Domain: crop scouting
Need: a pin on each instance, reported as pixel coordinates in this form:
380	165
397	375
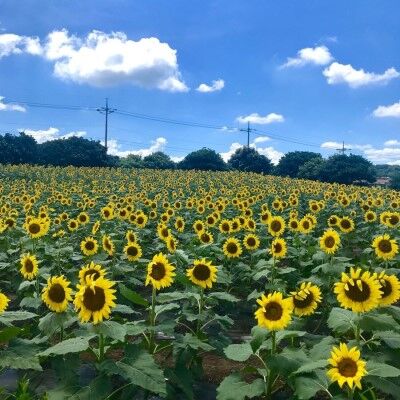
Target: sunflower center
34	228
56	293
201	272
386	288
29	265
306	224
394	219
347	367
385	246
277	248
354	293
345	224
251	241
305	302
93	273
89	245
205	238
94	299
273	311
158	271
329	242
276	226
231	248
225	227
132	251
140	220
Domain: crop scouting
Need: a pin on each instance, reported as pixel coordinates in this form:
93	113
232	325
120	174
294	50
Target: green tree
18	149
131	161
248	159
312	169
291	162
158	160
204	159
395	181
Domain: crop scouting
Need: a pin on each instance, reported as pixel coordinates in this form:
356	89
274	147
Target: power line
248	130
343	149
106	111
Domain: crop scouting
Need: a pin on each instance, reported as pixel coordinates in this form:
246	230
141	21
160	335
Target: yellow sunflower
4	300
83	218
133	251
29	266
198	226
89	246
232	248
358	291
73	225
95	299
225	226
95	227
180	224
306	299
160	272
278	248
206	237
276	226
108	245
131	236
251	242
346	366
171	244
57	294
93	270
370	216
275	312
329	242
385	247
202	273
390	288
346	224
305	226
36	227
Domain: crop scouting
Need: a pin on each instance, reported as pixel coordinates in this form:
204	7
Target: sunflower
57	294
133	251
107	213
95	227
346	224
163	231
232	248
329	242
206	237
131	236
73	225
89	246
251	242
93	270
370	216
294	224
83	218
358	291
160	272
198	226
95	299
36	227
278	248
202	273
171	244
4	300
225	226
346	366
390	288
276	226
305	225
180	224
108	245
275	312
29	266
306	299
385	247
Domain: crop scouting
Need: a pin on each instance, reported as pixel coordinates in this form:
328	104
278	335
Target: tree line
81	152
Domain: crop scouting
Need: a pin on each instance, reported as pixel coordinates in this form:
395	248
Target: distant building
383	181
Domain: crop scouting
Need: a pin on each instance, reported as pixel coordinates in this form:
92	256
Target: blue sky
306	74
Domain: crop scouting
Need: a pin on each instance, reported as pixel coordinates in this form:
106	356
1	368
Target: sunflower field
146	284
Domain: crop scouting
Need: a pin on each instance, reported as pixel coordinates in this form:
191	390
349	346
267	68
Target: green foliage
204	159
21	149
131	161
291	162
249	160
158	160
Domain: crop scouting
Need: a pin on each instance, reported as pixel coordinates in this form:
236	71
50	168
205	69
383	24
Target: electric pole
248	130
106	110
343	149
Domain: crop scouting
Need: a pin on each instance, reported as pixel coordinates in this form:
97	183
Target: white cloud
255	118
215	86
228	129
45	135
261	139
114	148
392	143
319	55
387	111
227	155
177	159
339	73
16	44
337	145
10	107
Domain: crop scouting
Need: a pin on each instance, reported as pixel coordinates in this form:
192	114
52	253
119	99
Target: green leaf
195	343
111	329
376	322
74	345
132	296
165	307
123	309
238	352
382	370
98	388
281	335
51	322
341	320
234	388
392	339
10	316
172	296
384	385
322	349
224	296
305	388
20	355
9	333
311	366
259	336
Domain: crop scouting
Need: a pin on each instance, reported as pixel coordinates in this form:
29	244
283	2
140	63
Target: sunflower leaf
341	320
234	388
238	352
132	296
10	316
74	345
382	370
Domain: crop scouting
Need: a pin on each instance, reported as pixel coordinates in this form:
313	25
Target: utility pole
106	110
343	149
248	130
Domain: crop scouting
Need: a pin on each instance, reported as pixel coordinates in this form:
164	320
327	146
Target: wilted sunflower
89	246
4	300
160	272
329	242
385	247
346	366
346	224
232	248
358	291
93	270
306	299
278	248
202	273
94	299
57	294
29	266
133	251
276	226
251	242
390	288
275	312
108	245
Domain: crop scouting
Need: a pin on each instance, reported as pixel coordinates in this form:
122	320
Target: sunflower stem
271	372
152	319
357	332
101	347
201	305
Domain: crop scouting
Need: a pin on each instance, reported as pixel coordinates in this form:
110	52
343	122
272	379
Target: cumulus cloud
16	44
261	139
387	111
114	148
255	118
392	142
337	145
177	158
319	55
228	129
45	135
214	87
10	107
338	73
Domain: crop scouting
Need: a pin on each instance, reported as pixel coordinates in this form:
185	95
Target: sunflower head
329	242
92	270
133	251
206	237
4	300
346	224
57	294
390	289
29	266
278	248
160	272
251	242
276	226
108	245
232	248
385	247
89	246
306	299
202	273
